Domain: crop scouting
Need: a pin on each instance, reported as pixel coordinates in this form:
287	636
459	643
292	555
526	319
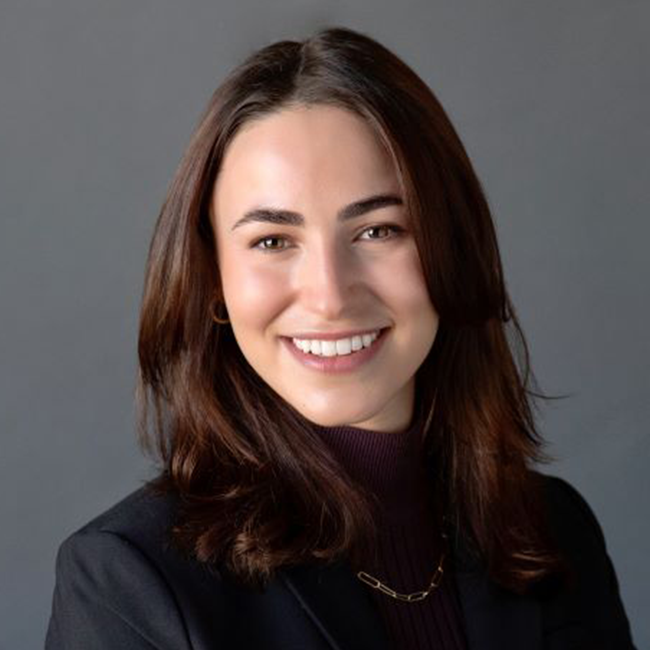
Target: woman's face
306	252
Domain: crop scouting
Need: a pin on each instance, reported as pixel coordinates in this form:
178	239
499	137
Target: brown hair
258	487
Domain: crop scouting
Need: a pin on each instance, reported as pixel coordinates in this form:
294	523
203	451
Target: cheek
252	294
403	283
405	290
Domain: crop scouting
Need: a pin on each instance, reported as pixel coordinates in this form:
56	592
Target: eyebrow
290	218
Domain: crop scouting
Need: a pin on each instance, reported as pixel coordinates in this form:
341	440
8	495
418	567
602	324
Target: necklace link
409	598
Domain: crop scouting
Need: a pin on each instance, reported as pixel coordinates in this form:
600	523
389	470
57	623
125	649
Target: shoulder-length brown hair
258	488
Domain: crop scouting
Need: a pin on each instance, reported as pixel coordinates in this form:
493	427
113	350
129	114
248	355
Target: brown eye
378	228
268	244
391	231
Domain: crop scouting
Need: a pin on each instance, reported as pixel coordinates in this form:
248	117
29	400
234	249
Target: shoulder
109	574
575	528
593	594
132	535
570	514
141	517
133	531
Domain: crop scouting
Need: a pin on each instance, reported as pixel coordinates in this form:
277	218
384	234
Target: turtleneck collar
390	465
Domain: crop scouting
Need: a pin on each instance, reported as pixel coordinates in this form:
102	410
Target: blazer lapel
494	618
338	605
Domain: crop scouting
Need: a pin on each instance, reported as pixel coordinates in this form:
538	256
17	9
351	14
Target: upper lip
332	336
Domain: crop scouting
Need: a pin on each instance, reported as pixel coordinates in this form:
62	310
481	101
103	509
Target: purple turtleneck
392	466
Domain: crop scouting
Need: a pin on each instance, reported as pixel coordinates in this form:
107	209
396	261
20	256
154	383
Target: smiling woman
345	438
330	192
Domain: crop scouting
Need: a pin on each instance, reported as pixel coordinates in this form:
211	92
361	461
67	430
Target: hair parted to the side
257	487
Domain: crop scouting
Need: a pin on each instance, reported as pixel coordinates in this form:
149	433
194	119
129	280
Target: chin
337	417
325	420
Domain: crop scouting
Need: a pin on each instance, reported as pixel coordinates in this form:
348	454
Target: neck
392	466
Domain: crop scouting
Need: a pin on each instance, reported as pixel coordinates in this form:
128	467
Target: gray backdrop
98	101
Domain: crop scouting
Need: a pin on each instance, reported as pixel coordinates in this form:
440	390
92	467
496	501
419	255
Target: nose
326	280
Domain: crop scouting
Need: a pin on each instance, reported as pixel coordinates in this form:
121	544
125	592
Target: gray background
98	101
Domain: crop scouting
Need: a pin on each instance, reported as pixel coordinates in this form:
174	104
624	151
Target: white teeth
344	346
336	348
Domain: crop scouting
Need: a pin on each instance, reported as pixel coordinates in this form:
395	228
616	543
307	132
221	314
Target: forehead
300	153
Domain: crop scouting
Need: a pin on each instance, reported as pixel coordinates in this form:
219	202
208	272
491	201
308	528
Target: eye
394	230
269	238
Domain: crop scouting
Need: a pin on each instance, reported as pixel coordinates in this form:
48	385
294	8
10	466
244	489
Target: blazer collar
340	606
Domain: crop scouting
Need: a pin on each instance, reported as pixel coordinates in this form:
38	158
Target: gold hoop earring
215	318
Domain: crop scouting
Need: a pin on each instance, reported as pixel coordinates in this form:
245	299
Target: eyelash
396	230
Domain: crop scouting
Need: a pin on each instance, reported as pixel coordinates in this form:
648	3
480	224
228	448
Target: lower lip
337	364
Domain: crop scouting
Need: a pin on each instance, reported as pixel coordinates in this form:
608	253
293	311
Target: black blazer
118	586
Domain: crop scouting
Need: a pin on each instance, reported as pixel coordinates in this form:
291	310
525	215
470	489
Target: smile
337	348
324	356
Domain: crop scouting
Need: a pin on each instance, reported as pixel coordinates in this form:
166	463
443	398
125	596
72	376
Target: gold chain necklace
412	597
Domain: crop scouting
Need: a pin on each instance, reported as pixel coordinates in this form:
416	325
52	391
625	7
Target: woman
345	438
